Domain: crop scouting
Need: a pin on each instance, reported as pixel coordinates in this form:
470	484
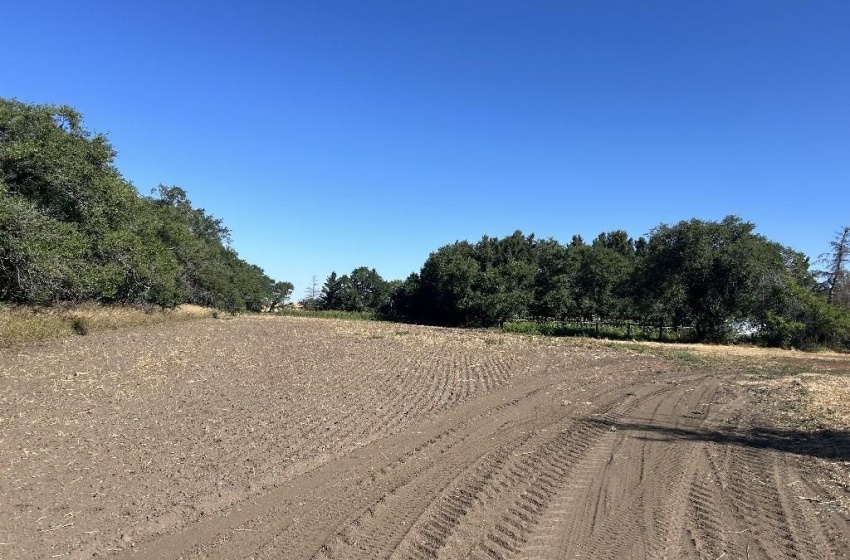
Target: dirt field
306	438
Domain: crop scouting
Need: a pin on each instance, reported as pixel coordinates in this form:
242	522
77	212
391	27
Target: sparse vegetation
22	324
327	313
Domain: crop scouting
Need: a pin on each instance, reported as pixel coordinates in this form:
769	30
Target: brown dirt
305	438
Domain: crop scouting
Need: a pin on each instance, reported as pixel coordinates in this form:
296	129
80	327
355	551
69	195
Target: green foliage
781	331
497	280
73	229
446	285
603	276
596	330
802	319
704	281
327	314
708	274
41	259
554	282
483	284
280	294
361	291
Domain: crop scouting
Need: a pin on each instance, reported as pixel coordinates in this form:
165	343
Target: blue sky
329	135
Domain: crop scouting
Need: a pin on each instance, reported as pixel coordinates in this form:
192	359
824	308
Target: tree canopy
720	278
362	290
72	228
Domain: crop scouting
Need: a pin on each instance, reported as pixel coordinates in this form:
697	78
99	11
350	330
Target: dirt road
293	438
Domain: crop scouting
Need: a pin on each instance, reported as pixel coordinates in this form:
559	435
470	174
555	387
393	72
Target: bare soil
309	438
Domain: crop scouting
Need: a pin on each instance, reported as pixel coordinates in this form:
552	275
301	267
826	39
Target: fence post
628	330
661	330
597	328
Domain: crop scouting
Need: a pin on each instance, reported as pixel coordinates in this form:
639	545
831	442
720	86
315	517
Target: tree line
73	229
719	278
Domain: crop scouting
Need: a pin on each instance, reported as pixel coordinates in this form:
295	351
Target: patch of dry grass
813	403
22	324
827	399
733	350
759	361
807	401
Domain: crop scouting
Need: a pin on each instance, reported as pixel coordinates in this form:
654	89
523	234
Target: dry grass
806	401
734	351
827	399
808	390
22	324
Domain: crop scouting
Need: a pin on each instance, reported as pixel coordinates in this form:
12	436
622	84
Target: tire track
515	458
435	518
518	493
742	505
595	518
469	435
383	463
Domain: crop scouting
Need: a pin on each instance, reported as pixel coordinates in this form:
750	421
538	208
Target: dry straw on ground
21	324
824	400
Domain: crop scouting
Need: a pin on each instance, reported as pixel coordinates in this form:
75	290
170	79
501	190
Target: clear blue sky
330	135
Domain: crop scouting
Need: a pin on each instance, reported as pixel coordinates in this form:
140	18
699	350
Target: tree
49	158
280	293
368	291
41	259
405	299
72	228
330	296
313	289
718	277
482	284
602	275
707	274
554	282
502	293
835	279
800	318
312	294
211	272
361	290
446	284
503	283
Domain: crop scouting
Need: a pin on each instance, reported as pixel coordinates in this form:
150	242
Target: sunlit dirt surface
292	438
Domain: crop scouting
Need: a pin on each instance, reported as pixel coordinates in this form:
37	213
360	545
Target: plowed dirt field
304	438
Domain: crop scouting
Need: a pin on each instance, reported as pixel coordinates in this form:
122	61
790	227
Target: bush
782	332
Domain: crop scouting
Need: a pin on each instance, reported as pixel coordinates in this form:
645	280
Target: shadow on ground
826	444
